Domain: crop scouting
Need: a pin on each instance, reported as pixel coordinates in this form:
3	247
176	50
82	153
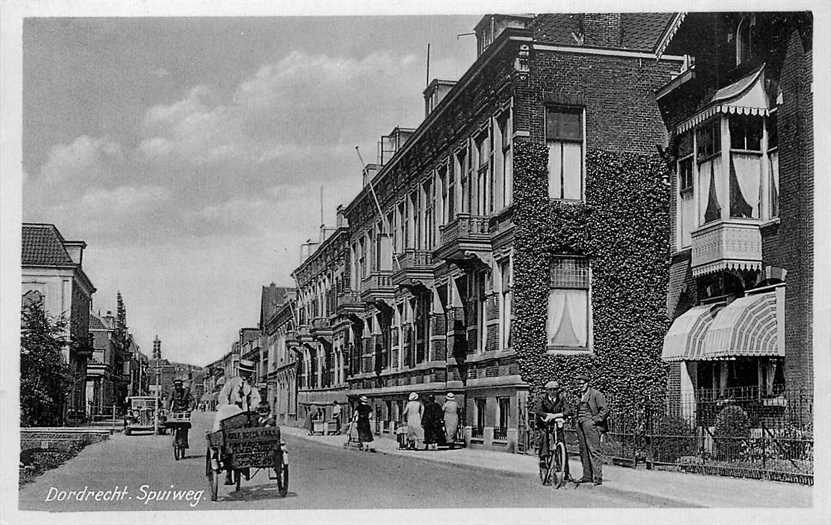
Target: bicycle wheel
545	470
559	465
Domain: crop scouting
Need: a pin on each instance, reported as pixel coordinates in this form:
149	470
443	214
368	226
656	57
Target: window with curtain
429	214
564	136
708	147
568	303
442	181
686	203
745	165
773	167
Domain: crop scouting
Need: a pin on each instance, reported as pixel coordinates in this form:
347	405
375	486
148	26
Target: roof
642	30
43	245
95	323
638	31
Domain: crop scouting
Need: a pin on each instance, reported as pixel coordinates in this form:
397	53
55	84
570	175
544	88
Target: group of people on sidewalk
428	424
591	414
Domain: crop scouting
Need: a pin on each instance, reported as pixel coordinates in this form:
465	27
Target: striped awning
746	96
685	339
746	327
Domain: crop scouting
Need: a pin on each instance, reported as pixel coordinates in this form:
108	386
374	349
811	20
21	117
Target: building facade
740	116
53	273
279	363
108	369
479	258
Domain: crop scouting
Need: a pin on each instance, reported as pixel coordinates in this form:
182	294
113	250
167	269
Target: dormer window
743	40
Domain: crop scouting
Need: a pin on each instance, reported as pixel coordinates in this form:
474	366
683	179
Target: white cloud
125	200
85	157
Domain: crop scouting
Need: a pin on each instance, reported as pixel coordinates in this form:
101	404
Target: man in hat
551	408
592	412
180	401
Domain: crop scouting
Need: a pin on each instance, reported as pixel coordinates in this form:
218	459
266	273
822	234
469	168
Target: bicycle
554	469
179	422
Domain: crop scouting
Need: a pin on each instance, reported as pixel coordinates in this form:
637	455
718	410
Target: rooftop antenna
377	205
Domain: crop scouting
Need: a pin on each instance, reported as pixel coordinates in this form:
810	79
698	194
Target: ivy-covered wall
623	227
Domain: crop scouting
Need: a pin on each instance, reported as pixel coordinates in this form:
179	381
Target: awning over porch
751	326
746	96
685	339
746	327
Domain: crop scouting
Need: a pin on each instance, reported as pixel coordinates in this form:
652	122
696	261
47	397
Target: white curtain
705	170
567	317
688	223
555	168
572	170
749	173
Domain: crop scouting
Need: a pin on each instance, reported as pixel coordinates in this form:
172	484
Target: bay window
708	145
564	136
773	167
569	301
745	165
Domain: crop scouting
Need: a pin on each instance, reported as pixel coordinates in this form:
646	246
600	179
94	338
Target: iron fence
738	434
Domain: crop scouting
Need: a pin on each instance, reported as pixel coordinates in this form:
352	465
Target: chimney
434	93
491	26
340	217
602	29
75	249
389	144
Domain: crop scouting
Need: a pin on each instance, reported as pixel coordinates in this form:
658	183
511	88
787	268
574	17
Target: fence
742	434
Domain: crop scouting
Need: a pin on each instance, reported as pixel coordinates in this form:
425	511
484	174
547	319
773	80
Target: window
773	167
401	242
482	173
568	303
564	136
745	165
708	138
743	41
479	416
429	214
685	171
452	170
503	407
506	300
442	181
362	257
504	161
710	187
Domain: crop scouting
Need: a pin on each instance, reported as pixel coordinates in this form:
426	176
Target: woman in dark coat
432	423
363	413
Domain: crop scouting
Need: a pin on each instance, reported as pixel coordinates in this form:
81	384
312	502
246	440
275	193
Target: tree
45	378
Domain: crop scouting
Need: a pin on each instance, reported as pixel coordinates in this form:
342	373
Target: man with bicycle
180	401
550	409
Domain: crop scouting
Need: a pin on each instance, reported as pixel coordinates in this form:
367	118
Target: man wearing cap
550	407
591	422
181	401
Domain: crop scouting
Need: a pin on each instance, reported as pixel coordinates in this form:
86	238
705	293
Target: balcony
734	244
320	328
348	302
465	238
414	268
377	286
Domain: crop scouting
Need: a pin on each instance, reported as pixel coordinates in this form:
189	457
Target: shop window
564	136
479	414
569	303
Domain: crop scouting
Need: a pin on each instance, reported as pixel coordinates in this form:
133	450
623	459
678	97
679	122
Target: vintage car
141	415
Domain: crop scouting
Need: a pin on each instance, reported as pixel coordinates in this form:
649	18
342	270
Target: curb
514	474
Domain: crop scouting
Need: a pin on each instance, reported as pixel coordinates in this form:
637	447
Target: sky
189	153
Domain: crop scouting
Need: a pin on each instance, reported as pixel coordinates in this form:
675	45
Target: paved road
138	469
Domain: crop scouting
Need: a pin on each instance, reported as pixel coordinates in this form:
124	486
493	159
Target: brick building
108	367
281	363
424	298
740	118
52	272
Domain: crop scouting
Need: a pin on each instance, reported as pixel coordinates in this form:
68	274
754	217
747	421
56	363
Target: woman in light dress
451	418
412	415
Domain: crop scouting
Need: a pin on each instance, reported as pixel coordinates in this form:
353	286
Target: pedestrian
336	411
432	423
363	414
412	415
550	407
592	412
451	418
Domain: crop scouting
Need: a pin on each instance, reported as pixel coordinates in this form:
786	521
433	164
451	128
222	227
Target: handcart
241	445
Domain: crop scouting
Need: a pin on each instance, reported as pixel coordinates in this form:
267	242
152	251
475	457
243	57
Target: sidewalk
688	489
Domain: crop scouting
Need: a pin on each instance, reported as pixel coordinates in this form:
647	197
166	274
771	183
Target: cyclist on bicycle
180	401
550	409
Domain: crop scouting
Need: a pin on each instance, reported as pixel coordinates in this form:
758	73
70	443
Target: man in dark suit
549	408
592	412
